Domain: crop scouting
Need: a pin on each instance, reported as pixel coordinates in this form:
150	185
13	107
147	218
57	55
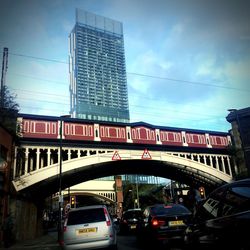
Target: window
169	210
237	199
86	216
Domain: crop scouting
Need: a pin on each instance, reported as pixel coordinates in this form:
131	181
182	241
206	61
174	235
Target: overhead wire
142	75
131	73
136	106
190	82
171	114
38	58
148	115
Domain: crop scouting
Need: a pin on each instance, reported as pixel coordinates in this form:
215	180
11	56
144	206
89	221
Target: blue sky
187	61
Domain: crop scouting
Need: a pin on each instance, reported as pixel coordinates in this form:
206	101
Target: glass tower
98	84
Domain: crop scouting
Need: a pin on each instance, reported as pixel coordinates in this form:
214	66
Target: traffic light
72	201
202	192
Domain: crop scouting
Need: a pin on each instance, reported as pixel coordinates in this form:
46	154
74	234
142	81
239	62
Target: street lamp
60	200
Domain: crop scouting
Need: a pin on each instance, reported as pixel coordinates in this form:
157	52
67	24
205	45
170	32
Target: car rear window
169	210
86	216
132	214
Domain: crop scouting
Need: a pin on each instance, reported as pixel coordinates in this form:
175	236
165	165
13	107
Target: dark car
164	223
222	220
130	220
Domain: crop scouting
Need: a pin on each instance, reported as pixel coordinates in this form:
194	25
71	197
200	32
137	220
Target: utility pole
137	192
60	200
4	71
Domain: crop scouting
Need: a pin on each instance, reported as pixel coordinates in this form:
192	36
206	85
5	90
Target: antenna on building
4	71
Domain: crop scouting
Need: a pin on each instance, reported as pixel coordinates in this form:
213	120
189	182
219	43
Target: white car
89	227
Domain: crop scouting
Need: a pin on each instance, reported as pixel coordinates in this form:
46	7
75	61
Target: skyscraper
98	84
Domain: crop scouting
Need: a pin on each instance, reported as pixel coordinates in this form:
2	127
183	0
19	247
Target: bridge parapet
48	128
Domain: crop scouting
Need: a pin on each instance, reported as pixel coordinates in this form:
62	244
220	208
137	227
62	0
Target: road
128	242
49	242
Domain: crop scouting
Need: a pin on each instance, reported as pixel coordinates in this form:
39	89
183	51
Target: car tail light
157	223
107	217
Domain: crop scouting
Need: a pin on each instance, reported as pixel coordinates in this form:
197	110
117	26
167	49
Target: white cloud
190	41
206	64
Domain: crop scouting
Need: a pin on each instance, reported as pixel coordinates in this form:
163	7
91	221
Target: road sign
146	155
116	156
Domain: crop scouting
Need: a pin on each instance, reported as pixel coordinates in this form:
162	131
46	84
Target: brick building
240	121
6	146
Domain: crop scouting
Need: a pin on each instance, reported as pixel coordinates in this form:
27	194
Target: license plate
86	230
133	226
176	223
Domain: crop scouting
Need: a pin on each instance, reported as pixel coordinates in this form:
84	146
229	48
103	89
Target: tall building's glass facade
98	84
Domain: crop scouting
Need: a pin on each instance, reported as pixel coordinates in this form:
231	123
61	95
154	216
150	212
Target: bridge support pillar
119	195
48	156
38	159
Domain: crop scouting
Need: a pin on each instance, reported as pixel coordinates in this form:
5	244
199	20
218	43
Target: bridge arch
184	167
102	195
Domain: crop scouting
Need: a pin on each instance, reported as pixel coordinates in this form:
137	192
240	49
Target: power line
142	75
144	107
154	114
39	93
45	101
176	111
38	78
62	96
148	114
189	82
135	106
44	109
39	58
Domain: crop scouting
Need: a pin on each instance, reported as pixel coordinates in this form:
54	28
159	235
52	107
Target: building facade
240	122
98	84
6	157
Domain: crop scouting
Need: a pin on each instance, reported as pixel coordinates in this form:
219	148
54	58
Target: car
130	220
222	220
164	223
89	227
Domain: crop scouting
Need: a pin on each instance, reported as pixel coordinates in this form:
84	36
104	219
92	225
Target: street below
129	242
49	242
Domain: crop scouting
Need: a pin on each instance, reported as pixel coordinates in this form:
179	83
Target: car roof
242	181
87	207
234	183
231	185
164	205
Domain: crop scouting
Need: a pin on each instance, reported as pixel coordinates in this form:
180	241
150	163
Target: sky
187	61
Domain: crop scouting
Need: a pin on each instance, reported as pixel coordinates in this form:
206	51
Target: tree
8	110
149	194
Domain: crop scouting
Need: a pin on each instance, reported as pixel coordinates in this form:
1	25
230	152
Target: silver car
89	227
